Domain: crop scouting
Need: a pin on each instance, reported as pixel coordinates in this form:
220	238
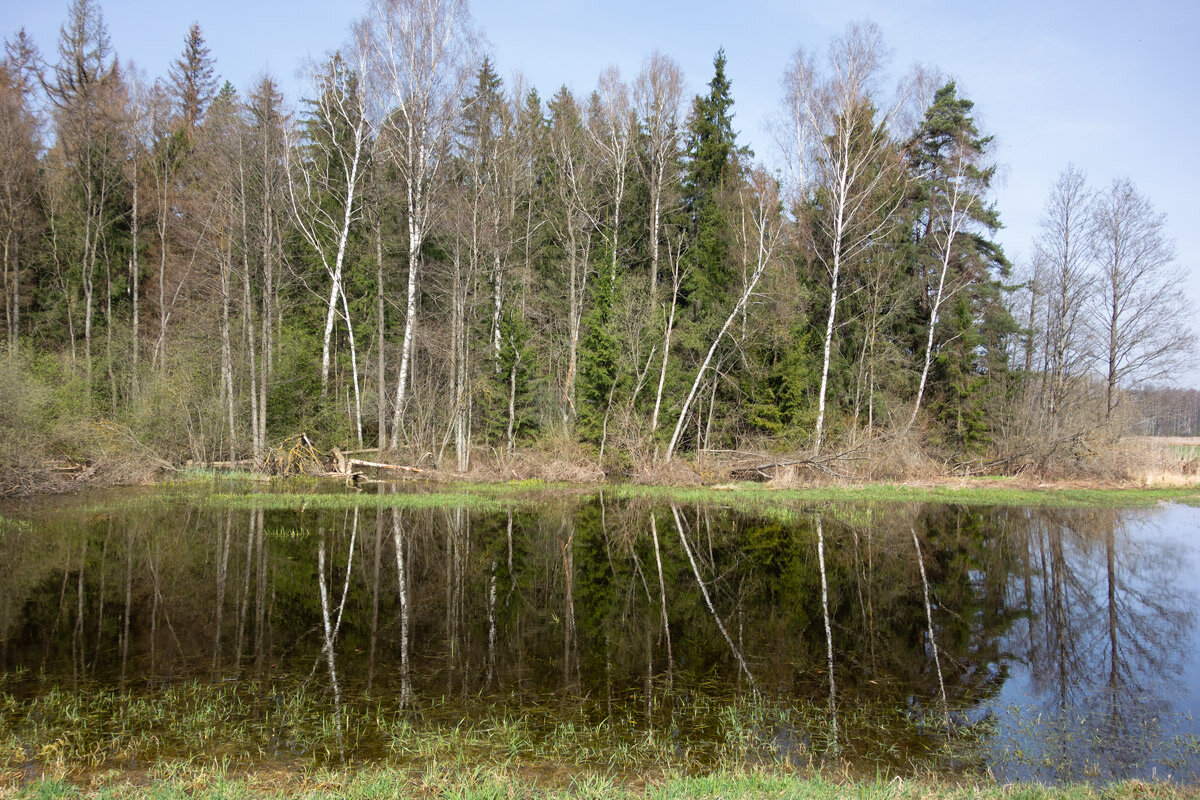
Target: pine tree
957	265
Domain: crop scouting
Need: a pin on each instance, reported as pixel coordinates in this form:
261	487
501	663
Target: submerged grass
197	725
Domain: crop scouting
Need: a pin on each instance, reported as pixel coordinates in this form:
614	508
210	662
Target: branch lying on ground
825	464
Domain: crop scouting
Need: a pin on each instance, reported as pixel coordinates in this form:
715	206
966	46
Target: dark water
1063	643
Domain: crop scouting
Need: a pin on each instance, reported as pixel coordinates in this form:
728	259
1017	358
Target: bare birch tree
574	222
611	128
325	190
421	53
658	94
85	92
843	148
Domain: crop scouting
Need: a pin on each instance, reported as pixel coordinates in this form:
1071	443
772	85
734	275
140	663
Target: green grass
198	474
754	496
294	501
1184	452
307	494
566	783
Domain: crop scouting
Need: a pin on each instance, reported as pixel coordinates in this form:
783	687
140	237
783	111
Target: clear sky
1109	86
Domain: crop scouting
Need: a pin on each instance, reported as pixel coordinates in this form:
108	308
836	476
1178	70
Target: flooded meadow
597	630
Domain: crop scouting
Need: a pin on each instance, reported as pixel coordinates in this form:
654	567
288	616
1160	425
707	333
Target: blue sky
1109	86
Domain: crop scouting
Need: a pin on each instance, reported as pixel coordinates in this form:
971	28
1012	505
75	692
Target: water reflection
1110	626
1035	644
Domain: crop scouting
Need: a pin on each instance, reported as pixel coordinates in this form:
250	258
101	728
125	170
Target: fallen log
356	462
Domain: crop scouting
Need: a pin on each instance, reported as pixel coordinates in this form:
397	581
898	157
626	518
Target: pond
598	631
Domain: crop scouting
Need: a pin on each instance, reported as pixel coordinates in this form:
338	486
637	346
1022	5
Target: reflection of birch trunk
158	604
491	654
402	581
929	620
128	605
244	605
377	564
260	596
833	739
77	656
509	541
648	690
153	617
331	631
457	541
224	539
662	597
327	648
101	593
569	638
1110	552
708	601
864	601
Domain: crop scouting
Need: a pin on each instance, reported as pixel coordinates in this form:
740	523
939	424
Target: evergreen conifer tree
193	79
711	172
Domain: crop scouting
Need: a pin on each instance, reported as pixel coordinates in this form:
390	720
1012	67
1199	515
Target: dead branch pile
295	455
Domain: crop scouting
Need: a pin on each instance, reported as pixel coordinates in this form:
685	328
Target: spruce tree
711	170
193	79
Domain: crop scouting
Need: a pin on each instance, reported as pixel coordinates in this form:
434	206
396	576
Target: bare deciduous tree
658	93
324	190
842	146
422	53
19	145
575	223
1143	317
1063	251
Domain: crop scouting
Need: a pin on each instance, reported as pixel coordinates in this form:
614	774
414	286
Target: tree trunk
381	376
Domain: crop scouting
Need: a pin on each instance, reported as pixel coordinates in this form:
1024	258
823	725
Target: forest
466	273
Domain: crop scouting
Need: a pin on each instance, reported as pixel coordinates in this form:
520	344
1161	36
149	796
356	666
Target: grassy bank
565	783
286	494
298	494
1038	497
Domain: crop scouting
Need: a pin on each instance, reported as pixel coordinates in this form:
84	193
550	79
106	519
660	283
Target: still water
1031	644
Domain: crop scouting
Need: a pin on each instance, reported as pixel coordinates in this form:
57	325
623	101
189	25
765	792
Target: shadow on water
629	635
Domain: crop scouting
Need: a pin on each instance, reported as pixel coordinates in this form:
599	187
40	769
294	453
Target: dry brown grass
528	464
676	473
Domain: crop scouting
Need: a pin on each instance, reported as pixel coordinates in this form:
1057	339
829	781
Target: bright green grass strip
307	494
291	501
565	783
750	496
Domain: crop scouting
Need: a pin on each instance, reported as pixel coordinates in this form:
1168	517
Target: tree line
426	258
